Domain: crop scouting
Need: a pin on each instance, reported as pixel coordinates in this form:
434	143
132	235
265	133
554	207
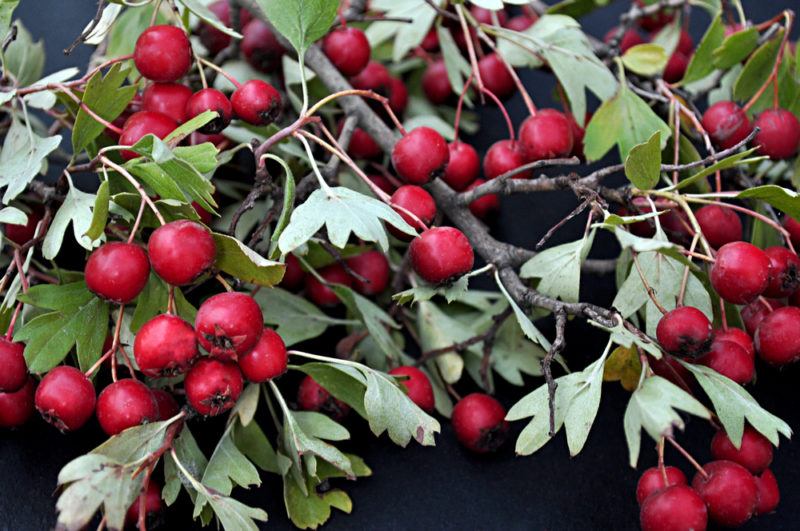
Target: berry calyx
504	156
417	385
740	272
779	134
181	251
124	404
768	493
152	504
141	124
348	49
479	423
546	135
421	156
65	398
436	84
17	407
267	360
684	331
754	452
322	295
729	490
652	480
730	360
719	225
13	370
209	99
483	206
261	47
165	346
313	397
228	324
675	508
256	102
441	255
416	200
495	76
117	271
163	53
167	98
776	340
213	386
372	266
726	123
784	272
463	167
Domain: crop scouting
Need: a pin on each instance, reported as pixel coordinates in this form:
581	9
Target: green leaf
702	63
61	297
153	300
407	36
46	99
525	323
302	22
227	467
99	213
191	457
344	383
135	443
13	216
374	318
24	152
238	260
254	444
735	48
514	355
438	330
321	426
741	158
288	200
200	9
107	97
458	69
758	68
559	269
311	509
783	199
7	8
23	58
296	319
76	209
645	59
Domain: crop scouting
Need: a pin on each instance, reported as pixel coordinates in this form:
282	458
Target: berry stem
135	227
365	94
219	70
788	16
688	457
224	283
660	449
10	331
685	279
520	87
723	315
460	106
509	123
96	117
122	171
114	346
650	291
473	60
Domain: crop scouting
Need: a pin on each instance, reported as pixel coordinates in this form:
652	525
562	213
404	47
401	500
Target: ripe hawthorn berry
416	200
213	39
740	272
656	21
483	206
374	267
124	404
22	234
117	271
382	182
784	272
420	156
793	227
141	124
731	360
13	370
777	341
669	368
168	99
441	254
431	41
754	452
685	43
167	405
726	123
181	251
267	360
628	40
756	311
463	167
210	99
313	397
17	407
375	77
738	336
163	53
479	423
778	135
213	386
228	324
436	84
362	145
504	156
256	102
676	67
719	225
768	493
652	480
520	22
729	490
294	277
152	504
398	96
348	49
65	398
165	346
261	47
684	331
495	76
319	293
546	135
486	16
418	386
677	507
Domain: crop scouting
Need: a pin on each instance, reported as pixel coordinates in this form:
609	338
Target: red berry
13	371
382	182
152	504
484	16
652	481
124	404
436	84
431	41
463	167
793	227
685	43
719	225
784	272
228	324
374	267
726	123
520	23
163	53
181	251
441	254
669	367
313	397
167	405
362	145
676	67
479	423
209	99
754	453
22	234
416	200
421	156
504	156
167	98
768	493
418	386
495	76
260	46
756	311
17	407
738	336
319	293
117	271
165	346
213	39
256	102
676	508
141	124
398	96
294	277
684	331
65	398
546	135
779	135
740	272
267	360
629	39
213	386
375	77
777	340
483	206
656	21
348	49
729	490
730	360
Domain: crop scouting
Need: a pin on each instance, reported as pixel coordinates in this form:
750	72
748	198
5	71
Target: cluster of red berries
778	135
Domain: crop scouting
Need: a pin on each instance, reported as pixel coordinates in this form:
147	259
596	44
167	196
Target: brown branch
488	345
89	29
555	349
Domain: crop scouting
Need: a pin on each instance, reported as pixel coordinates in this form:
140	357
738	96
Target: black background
445	487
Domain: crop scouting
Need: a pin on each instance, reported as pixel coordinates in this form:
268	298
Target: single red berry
181	251
117	271
520	22
124	404
504	156
431	41
374	267
319	293
685	43
421	156
669	368
768	493
228	324
65	398
375	77
485	16
398	95
726	123
628	40
163	53
656	21
436	84
441	254
486	205
348	49
754	452
167	98
496	77
213	386
777	341
479	422
210	99
719	225
740	272
362	145
313	397
416	200
13	371
165	346
756	311
784	272
652	480
793	227
267	360
738	336
167	405
729	490
213	39
152	504
546	135
676	67
141	124
261	47
17	407
382	182
730	360
294	277
256	102
779	134
22	234
676	508
418	386
463	167
684	331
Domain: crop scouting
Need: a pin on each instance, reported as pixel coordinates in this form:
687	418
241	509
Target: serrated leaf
227	467
46	99
77	210
645	59
296	319
21	159
525	323
99	212
7	8
438	330
107	97
288	200
193	460
23	58
311	509
741	158
559	269
735	48
407	36
758	68
254	444
374	318
458	69
702	63
783	199
301	21
643	164
200	10
62	297
135	443
623	366
239	261
344	383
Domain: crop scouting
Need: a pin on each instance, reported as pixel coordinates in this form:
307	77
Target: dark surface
445	487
